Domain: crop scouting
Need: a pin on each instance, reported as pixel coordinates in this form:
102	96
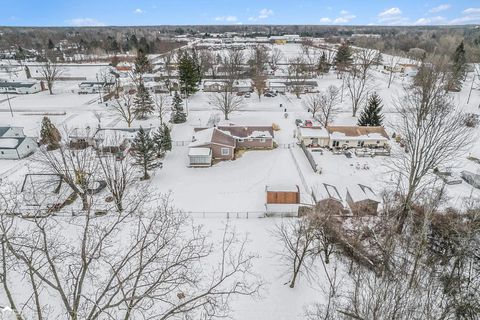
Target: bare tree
274	58
123	107
392	63
77	168
226	102
51	72
358	83
298	246
232	64
148	262
119	174
258	59
162	103
260	84
324	105
432	130
297	74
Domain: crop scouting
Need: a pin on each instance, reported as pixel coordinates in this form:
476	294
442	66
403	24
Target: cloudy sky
157	12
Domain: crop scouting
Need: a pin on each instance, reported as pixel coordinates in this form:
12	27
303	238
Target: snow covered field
237	188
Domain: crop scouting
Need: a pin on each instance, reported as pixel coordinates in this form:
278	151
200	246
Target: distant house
242	86
362	200
224	140
357	136
20	87
214	86
114	141
328	199
279	87
89	87
124	66
250	137
313	136
14	144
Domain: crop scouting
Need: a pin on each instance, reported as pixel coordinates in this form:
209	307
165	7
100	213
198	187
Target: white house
89	87
279	87
314	136
242	86
357	136
20	87
14	144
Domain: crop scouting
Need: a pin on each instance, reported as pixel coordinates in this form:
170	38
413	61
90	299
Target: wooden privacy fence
309	156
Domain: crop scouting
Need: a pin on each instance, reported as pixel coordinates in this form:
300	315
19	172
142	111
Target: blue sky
157	12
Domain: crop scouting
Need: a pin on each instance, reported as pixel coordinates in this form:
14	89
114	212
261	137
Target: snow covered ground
235	188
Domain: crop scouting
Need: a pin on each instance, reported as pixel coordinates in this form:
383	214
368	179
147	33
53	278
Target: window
3	152
262	140
240	140
225	151
378	142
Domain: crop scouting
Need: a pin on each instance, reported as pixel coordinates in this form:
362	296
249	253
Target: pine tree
50	44
142	64
167	138
158	141
189	73
344	57
458	69
144	152
49	134
371	115
143	104
178	116
323	65
162	140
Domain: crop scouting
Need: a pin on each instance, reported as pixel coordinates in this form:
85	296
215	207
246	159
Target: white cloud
392	16
263	14
430	21
85	22
138	11
226	19
470	15
343	18
391	12
440	8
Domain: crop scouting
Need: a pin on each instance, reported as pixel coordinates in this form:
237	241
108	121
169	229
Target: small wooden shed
283	194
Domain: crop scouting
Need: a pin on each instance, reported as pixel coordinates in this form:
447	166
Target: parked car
247	95
317	150
308	123
269	95
348	154
298	122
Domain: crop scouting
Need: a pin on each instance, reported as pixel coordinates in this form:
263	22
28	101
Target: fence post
247	214
228	215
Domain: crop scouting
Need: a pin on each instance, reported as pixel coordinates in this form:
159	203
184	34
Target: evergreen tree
50	44
158	141
344	57
132	43
144	152
458	69
323	65
142	103
142	64
167	138
189	74
49	134
162	140
371	115
178	116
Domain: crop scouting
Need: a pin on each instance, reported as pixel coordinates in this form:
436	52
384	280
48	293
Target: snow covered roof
357	132
315	132
282	188
326	191
276	85
212	135
360	192
10	143
242	132
15	84
199	152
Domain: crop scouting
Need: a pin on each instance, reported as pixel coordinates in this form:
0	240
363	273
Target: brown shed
283	194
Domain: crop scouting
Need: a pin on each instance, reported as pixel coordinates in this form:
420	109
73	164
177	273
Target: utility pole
9	104
471	87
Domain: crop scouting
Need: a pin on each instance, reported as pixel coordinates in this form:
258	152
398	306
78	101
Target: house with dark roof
20	87
250	137
14	144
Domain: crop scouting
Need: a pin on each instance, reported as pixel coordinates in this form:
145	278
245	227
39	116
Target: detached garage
200	157
16	148
282	200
